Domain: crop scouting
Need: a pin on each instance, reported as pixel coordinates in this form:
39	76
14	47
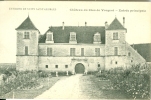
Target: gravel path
64	89
80	87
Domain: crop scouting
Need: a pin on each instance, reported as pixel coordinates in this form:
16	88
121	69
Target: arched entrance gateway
79	68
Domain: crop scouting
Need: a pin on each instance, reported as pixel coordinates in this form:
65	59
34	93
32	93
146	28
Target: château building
74	48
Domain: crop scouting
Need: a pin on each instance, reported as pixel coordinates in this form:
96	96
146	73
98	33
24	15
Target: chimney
62	25
123	21
106	25
85	23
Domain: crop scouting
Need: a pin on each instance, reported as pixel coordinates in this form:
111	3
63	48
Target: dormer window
115	36
49	37
97	38
73	37
26	35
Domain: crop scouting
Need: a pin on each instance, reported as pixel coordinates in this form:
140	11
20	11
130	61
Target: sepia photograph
75	50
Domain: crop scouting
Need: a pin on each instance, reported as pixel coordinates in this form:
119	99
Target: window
49	51
115	50
56	66
72	36
115	36
72	51
26	35
82	51
46	66
98	65
66	66
116	62
49	37
26	50
97	51
129	54
97	37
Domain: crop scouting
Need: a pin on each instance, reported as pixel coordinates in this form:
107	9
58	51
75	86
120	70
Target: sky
45	14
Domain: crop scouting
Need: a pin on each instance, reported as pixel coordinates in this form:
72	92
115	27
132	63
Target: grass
30	94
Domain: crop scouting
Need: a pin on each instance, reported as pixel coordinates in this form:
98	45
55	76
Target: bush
133	81
23	79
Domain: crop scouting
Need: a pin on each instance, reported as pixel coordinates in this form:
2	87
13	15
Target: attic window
49	37
115	36
97	38
26	35
72	36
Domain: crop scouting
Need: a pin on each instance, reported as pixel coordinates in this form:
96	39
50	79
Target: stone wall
63	50
32	42
26	63
110	43
135	57
90	63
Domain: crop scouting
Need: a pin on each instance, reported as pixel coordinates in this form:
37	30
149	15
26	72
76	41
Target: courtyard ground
81	87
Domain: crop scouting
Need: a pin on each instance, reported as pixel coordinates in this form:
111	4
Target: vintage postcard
75	50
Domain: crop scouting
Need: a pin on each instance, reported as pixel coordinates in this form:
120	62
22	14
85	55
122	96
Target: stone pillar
56	74
86	72
73	72
67	73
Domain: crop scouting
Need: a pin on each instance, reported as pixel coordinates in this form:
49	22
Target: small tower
115	42
27	46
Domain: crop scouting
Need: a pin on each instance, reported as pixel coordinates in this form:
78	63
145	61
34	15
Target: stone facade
53	56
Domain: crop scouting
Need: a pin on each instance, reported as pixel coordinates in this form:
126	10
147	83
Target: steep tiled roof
84	34
27	25
144	50
115	25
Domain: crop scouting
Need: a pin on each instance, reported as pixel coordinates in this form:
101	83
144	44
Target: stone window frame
26	35
129	54
56	66
72	51
98	65
82	51
116	51
116	62
26	50
49	51
97	52
66	66
72	36
115	36
46	66
97	37
49	36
